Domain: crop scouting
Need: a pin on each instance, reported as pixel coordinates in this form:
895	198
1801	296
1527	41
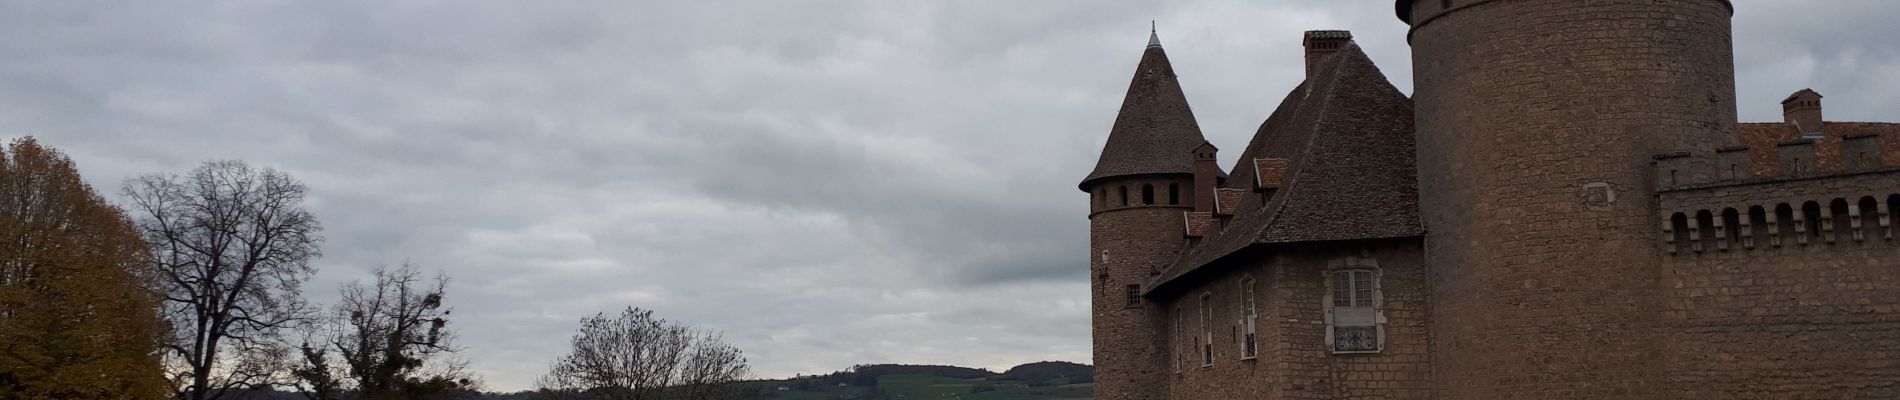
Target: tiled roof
1351	170
1155	132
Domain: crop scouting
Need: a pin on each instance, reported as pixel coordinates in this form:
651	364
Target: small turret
1148	181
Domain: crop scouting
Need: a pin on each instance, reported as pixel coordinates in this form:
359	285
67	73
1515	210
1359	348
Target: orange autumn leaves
75	318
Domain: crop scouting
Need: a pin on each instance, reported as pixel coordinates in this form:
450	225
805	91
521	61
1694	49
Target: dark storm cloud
830	182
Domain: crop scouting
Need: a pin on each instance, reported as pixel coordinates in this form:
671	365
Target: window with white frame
1249	317
1206	340
1353	315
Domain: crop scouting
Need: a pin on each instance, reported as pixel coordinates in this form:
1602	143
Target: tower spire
1154	40
1155	132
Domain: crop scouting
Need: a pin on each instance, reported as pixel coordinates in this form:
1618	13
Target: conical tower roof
1155	132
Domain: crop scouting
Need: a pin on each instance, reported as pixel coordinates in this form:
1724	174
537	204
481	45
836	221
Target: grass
933	387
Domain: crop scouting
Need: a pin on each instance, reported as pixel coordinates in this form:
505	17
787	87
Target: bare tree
232	246
637	356
393	339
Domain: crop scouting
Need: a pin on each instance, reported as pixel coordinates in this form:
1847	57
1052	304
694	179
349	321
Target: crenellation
1797	157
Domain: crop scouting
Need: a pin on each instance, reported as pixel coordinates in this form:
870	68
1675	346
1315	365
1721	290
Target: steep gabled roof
1348	136
1155	131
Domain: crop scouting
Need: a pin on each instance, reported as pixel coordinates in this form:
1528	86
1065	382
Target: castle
1565	208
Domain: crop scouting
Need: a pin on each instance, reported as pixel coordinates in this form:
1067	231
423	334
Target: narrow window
1174	194
1893	218
1134	296
1250	314
1147	194
1354	327
1757	225
1705	230
1840	218
1679	231
1811	212
1207	334
1870	218
1731	228
1445	4
1124	190
1180	332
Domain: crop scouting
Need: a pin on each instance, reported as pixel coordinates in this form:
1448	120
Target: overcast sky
829	182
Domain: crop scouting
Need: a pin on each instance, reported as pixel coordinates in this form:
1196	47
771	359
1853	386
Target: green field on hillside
920	387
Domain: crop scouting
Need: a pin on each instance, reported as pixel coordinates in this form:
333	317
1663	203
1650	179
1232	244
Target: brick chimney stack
1803	110
1321	45
1206	177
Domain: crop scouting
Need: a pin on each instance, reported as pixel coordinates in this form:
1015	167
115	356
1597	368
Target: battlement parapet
1852	207
1795	158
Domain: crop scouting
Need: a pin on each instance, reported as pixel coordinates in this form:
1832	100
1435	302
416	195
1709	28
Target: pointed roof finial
1154	40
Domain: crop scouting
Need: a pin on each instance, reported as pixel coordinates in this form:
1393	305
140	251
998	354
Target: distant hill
1034	381
1047	371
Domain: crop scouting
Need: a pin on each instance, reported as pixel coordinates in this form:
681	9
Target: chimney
1206	176
1322	44
1803	110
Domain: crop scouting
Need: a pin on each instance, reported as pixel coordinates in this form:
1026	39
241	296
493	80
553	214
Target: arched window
1101	198
1870	219
1731	228
1840	218
1147	194
1757	225
1679	231
1893	217
1354	322
1174	194
1811	219
1249	315
1124	190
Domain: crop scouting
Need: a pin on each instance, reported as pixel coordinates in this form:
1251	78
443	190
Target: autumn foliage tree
231	246
76	321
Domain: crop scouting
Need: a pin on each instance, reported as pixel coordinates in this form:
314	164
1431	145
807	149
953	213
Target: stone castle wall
1783	288
1127	243
1536	122
1293	359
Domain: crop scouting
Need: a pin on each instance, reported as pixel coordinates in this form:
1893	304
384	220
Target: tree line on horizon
194	290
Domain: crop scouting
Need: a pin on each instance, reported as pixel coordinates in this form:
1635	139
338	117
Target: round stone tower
1537	121
1139	194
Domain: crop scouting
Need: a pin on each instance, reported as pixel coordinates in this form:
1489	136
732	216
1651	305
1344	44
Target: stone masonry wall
1536	123
1127	243
1294	361
1759	310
